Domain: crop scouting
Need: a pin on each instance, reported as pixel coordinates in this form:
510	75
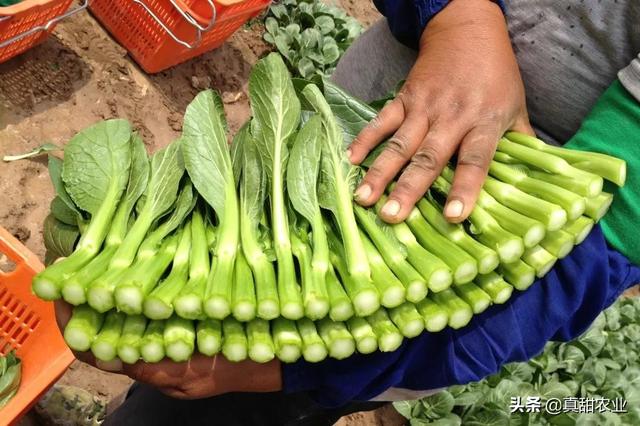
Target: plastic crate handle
44	27
190	19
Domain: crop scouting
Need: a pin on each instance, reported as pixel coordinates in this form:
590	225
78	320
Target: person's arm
561	306
462	94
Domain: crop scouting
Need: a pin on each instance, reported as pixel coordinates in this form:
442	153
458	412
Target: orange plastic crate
28	325
28	23
162	33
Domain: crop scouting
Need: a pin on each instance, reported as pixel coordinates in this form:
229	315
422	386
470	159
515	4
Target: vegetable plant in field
10	376
601	365
257	250
310	34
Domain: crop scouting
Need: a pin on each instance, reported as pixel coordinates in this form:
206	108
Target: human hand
200	377
462	94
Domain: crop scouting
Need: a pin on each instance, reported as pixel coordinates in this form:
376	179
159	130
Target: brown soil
80	75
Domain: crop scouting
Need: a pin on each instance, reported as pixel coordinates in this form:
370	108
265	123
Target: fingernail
363	193
349	153
391	208
454	209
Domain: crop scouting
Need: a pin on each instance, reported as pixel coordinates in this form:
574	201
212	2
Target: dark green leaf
62	212
59	238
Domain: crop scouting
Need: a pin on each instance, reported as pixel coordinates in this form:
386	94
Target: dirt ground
81	75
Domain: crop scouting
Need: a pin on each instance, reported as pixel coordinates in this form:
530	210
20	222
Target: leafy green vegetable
337	182
599	364
276	115
310	35
253	194
302	185
95	174
208	162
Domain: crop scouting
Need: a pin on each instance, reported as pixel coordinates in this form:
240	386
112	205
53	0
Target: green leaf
139	174
253	191
55	174
468	398
59	238
306	68
303	169
283	45
613	318
167	168
278	10
438	405
450	419
62	212
555	390
276	112
271	25
352	115
519	370
330	52
206	153
97	162
42	149
405	408
627	314
593	341
269	38
325	24
293	30
237	148
487	418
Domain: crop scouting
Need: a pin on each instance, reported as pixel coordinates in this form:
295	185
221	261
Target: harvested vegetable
258	251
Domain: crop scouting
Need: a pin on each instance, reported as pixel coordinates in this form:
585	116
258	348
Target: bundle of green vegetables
267	230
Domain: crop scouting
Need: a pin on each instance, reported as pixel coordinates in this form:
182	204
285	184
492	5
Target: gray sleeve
630	78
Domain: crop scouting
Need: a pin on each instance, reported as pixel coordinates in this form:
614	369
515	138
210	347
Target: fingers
474	157
399	150
378	129
425	165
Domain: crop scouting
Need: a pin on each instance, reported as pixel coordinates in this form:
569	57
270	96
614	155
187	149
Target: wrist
460	14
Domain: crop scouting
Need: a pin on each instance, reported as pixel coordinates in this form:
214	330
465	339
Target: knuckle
398	145
477	157
376	122
408	189
425	160
374	174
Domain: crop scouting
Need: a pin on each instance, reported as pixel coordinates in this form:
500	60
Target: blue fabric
408	18
561	306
